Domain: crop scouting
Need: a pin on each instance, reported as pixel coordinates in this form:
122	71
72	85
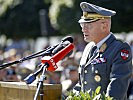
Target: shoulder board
122	41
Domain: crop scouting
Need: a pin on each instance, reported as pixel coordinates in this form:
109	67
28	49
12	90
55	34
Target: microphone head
64	43
68	38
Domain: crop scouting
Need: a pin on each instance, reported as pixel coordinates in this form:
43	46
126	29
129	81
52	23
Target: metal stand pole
40	84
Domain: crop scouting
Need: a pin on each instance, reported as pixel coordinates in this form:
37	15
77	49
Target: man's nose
84	29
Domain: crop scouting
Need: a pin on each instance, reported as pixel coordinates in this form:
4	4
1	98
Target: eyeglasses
86	25
89	24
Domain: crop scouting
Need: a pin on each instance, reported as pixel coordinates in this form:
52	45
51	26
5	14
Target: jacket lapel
92	58
86	53
108	42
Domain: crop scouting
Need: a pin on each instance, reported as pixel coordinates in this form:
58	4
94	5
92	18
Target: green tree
5	4
65	17
20	18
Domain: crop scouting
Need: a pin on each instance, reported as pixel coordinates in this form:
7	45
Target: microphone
65	41
68	38
58	56
50	62
54	49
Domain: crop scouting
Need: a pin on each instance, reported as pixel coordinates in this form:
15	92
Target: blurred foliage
20	18
67	20
23	19
64	15
5	4
96	95
55	9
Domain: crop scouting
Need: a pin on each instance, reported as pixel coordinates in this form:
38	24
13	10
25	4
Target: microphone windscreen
57	57
61	54
60	47
68	38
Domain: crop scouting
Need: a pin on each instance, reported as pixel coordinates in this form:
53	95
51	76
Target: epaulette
121	40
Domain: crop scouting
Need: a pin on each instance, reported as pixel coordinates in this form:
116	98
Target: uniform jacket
109	68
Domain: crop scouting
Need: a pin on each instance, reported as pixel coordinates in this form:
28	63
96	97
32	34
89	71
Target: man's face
92	31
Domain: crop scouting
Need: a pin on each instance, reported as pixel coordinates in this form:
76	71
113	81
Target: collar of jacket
109	41
88	48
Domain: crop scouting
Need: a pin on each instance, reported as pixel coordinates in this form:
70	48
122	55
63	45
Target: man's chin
86	40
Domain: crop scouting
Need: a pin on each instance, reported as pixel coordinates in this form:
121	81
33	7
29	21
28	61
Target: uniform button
85	71
96	71
85	82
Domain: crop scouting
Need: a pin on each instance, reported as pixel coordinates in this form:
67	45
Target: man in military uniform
106	61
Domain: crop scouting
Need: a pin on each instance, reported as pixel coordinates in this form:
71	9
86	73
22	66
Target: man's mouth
85	35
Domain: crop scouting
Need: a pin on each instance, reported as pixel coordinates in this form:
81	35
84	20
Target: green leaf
98	89
96	95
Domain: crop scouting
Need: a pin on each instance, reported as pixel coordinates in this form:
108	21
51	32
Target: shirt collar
99	44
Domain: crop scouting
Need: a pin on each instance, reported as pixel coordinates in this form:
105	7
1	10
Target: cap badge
85	15
84	6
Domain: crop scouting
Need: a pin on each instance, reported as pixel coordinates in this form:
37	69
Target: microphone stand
40	83
43	67
35	55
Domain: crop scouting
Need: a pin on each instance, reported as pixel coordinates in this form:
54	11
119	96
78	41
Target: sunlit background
29	26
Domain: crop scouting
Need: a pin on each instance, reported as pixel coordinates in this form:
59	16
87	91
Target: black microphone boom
47	51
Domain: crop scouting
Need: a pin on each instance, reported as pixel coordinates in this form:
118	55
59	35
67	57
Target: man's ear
104	25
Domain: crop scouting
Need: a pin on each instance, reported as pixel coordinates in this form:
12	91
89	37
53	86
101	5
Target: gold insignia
24	70
103	47
85	14
84	6
97	78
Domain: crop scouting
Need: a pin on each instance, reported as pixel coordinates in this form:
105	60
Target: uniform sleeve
120	75
77	89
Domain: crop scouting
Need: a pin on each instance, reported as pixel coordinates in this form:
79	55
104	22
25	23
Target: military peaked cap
93	13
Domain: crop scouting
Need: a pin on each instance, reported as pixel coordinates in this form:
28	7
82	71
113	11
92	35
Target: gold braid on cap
87	15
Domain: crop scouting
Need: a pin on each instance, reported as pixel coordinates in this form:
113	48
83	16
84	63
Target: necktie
93	51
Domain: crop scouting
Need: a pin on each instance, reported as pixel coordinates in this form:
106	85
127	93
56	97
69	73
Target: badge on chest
98	60
97	76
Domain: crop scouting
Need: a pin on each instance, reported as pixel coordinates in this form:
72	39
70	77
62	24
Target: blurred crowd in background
67	72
